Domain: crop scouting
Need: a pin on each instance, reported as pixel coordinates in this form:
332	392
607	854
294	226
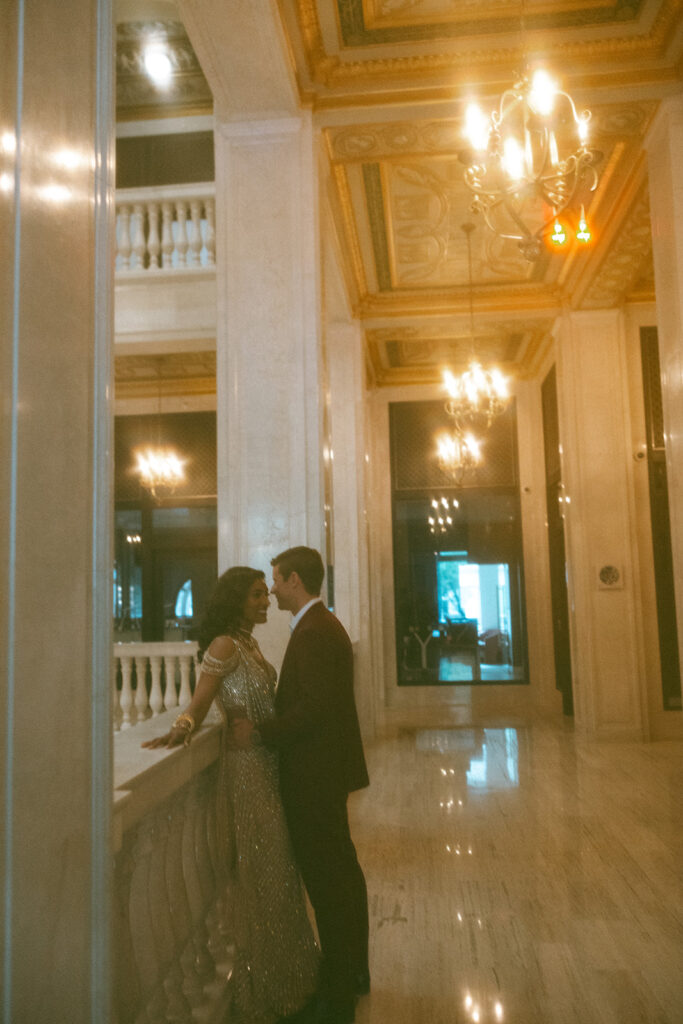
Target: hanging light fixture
528	162
160	468
478	395
456	453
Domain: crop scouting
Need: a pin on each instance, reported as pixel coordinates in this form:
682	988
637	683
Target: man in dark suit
318	738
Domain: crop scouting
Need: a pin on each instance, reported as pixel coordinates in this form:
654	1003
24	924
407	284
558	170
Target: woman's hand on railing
175	738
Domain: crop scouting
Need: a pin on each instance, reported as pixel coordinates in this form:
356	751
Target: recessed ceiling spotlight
158	64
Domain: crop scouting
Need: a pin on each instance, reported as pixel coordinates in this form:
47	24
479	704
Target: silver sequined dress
276	959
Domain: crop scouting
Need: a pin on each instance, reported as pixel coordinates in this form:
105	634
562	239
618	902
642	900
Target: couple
306	734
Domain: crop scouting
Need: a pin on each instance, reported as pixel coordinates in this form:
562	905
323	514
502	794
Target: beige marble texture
522	867
665	158
55	568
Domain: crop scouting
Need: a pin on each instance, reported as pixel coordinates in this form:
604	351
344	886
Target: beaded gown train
276	958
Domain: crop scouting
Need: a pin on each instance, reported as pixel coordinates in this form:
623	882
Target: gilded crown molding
171	375
352	247
331	72
432	302
627	259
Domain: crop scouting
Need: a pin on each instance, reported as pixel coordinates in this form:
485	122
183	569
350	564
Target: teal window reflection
497	766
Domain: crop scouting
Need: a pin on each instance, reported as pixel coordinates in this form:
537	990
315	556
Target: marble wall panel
595	431
665	159
54	509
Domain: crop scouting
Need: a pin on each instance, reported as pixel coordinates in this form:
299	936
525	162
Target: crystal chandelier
527	163
160	469
478	395
456	453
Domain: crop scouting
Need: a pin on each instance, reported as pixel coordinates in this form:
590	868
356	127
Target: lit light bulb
559	235
552	145
513	159
158	65
583	234
582	126
476	127
543	92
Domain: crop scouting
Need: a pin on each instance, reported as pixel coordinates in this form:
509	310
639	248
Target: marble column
665	159
605	624
56	219
268	365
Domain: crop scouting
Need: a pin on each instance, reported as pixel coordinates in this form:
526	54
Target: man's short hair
306	563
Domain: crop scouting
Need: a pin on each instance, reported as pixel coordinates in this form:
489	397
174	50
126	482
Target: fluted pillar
267	376
665	159
56	219
605	624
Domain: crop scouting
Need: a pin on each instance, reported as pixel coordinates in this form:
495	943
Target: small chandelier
527	162
457	453
160	470
478	395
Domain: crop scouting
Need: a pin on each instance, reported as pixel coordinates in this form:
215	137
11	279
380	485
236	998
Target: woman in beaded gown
276	958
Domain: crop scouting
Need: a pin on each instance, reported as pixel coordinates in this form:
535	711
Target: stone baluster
115	710
178	902
177	1007
185	695
170	692
156	697
153	240
127	996
210	240
182	243
124	245
141	699
142	928
202	961
137	261
196	242
167	234
218	925
126	699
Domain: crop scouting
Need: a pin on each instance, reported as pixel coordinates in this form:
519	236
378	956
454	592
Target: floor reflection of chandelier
527	162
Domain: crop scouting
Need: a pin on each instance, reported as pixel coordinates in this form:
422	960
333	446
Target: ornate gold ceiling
136	95
389	81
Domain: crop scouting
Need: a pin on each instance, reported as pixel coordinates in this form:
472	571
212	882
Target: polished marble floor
521	874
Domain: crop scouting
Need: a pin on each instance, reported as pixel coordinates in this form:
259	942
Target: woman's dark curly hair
224	610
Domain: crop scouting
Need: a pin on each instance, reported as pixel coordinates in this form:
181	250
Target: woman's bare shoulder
221	648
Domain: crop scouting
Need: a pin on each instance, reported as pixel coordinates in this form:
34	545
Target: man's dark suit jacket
316	726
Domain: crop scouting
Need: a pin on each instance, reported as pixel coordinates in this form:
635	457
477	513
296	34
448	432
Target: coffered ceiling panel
389	82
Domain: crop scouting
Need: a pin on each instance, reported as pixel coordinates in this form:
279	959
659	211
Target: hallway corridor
523	875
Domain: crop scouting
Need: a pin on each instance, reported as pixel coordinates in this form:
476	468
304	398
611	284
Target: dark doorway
556	545
661	528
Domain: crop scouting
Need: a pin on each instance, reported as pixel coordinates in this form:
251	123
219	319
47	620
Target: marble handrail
172	936
169	227
167	672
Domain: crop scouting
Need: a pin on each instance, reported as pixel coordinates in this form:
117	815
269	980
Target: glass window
458	570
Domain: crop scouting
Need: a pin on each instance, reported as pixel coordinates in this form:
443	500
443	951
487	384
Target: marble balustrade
167	672
165	228
172	942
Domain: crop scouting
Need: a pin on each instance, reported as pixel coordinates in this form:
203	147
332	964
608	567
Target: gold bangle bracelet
185	722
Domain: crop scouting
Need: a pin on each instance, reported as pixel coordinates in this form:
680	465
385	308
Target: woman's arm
221	649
